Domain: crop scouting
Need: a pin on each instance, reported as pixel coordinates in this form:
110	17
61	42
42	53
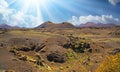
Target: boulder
56	57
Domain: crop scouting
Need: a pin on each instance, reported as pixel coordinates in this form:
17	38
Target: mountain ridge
8	26
92	24
49	24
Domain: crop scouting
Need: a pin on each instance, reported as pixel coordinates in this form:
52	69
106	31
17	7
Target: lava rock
26	49
56	57
38	48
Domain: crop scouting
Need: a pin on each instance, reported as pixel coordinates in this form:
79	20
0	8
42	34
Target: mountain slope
4	26
91	24
8	26
54	25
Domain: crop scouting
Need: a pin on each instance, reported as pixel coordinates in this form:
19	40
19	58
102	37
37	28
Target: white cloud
23	20
114	2
3	3
4	10
96	19
17	18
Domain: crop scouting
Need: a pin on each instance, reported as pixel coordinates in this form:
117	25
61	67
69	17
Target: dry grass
76	62
111	64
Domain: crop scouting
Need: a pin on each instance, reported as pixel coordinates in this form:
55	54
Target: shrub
111	64
70	55
78	45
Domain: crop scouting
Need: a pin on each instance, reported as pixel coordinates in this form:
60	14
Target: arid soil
57	49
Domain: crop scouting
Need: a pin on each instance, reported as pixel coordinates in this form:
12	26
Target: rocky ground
57	50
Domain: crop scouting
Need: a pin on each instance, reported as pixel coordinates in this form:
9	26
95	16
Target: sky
31	13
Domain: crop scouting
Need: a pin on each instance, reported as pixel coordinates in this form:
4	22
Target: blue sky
31	13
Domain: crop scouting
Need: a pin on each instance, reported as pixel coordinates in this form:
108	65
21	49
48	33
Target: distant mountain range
8	26
49	24
91	24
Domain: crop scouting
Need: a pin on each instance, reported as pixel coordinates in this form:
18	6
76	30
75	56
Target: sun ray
39	16
52	10
25	7
49	12
67	7
13	1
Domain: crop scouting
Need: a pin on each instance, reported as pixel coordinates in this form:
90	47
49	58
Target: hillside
5	26
92	24
8	26
55	25
59	50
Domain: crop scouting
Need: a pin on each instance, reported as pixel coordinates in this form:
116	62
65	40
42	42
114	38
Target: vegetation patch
110	64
